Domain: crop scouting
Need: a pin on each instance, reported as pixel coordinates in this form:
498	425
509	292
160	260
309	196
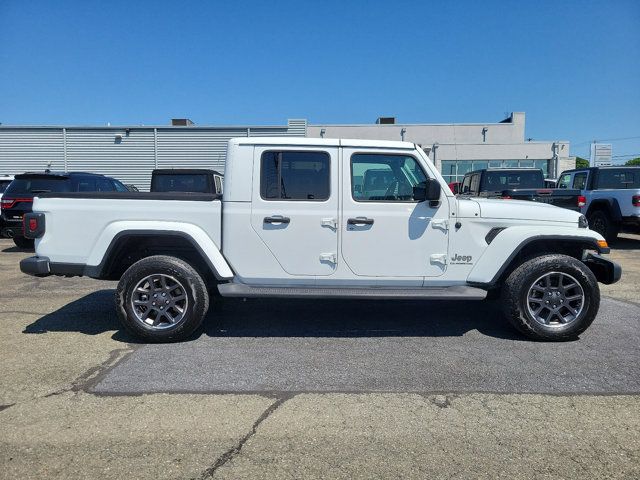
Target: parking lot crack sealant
236	449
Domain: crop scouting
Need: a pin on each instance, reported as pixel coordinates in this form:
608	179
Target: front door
385	232
295	207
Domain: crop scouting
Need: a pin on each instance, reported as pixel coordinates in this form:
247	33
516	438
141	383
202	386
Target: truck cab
323	218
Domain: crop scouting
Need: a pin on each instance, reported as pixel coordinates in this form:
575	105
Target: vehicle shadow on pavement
355	318
15	250
95	313
626	243
92	314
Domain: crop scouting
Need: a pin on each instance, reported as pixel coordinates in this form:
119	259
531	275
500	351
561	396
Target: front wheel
162	299
552	297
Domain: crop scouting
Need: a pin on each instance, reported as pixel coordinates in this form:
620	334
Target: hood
524	210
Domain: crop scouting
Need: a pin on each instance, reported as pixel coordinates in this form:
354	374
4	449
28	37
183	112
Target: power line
628	155
605	140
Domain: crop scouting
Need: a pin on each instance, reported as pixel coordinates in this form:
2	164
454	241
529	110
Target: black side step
458	292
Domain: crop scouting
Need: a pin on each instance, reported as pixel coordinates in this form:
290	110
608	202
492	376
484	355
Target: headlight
583	222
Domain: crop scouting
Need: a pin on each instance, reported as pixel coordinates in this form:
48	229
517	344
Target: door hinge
439	258
441	223
329	222
328	257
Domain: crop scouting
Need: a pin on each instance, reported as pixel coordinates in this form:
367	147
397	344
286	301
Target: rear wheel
162	299
24	243
602	223
552	297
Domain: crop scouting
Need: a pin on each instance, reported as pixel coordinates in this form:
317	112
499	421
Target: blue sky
573	67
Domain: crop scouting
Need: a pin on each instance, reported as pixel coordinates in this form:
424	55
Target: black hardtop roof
184	171
610	167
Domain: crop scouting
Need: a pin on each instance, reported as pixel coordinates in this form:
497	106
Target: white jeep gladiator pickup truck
309	217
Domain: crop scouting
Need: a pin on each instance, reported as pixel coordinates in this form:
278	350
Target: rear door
295	207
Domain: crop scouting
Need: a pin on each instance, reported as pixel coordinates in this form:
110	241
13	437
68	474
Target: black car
18	197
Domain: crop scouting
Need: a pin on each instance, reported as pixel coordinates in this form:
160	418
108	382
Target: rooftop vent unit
386	121
181	122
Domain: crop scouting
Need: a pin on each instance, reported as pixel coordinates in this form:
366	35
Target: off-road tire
24	243
516	288
196	291
601	222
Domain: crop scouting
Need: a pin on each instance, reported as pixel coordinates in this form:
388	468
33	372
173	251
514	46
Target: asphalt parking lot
343	389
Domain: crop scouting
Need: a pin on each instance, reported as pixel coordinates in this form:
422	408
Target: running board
458	292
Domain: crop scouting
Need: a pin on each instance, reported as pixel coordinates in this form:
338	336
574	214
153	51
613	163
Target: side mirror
429	190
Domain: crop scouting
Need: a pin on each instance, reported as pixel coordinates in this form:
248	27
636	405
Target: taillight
10	202
582	201
635	200
33	225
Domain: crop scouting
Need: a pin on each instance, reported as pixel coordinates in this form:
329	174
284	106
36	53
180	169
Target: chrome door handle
277	219
360	221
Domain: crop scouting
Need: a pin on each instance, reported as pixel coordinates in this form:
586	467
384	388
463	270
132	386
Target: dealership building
130	153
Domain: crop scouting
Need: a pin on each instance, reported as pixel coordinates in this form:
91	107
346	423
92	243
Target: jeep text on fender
308	217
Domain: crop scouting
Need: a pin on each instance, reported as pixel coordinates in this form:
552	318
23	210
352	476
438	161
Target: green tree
634	162
581	162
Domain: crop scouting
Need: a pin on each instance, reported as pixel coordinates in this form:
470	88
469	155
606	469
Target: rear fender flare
610	205
195	235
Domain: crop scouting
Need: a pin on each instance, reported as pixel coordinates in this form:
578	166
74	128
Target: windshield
180	183
495	181
4	184
37	185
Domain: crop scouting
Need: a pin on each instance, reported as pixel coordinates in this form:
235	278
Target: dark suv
18	197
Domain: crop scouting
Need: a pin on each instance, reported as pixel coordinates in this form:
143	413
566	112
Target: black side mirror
429	190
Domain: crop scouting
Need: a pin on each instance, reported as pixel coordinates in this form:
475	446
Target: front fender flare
509	243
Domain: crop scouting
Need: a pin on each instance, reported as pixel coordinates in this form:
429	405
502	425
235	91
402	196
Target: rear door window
475	183
466	185
104	185
288	175
580	181
84	184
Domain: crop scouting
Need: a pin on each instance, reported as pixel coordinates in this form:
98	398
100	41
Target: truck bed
96	217
559	197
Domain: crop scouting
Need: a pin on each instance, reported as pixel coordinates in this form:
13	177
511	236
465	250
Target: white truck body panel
412	244
68	240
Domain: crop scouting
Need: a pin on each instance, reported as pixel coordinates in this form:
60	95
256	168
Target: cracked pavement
60	341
